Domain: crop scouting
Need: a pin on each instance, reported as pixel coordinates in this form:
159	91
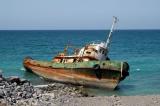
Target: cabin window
88	52
74	60
61	60
103	52
100	51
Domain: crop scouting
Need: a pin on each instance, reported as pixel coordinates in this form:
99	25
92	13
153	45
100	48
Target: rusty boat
87	66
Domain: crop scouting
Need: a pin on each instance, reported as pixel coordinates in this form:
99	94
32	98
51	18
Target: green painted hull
106	74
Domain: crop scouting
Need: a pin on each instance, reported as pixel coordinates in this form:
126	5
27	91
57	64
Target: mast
107	43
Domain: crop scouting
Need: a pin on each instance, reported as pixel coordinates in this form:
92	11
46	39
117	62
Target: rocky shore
20	92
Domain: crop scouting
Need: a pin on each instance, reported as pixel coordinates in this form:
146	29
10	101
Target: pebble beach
15	91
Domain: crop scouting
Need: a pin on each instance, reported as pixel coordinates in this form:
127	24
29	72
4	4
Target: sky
78	14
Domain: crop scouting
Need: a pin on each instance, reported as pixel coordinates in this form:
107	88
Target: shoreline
20	92
149	100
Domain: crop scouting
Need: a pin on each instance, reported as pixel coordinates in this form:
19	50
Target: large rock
14	79
1	73
22	81
1	93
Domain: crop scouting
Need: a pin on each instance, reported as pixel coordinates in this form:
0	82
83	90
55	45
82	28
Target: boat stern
124	70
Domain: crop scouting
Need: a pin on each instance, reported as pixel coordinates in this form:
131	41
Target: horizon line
67	29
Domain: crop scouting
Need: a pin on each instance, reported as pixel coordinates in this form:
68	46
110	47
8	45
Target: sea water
140	48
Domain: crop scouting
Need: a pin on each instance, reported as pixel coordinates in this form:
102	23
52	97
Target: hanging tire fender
97	71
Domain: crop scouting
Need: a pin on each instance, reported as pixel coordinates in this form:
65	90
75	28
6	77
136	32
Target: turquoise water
140	48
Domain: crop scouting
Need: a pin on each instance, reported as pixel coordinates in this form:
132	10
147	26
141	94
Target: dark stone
18	88
13	100
7	89
28	95
1	74
1	79
9	99
1	83
1	93
22	81
24	94
18	98
14	84
7	92
22	88
14	79
26	84
6	84
19	94
85	95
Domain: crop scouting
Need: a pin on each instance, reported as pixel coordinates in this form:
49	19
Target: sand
150	100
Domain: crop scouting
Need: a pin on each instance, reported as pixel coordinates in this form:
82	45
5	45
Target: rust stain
73	75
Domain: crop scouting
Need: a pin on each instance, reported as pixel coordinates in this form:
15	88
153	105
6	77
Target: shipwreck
87	66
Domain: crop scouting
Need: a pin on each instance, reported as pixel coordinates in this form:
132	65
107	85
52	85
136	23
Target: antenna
115	19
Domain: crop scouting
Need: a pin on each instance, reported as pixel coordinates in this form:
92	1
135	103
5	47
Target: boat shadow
123	87
119	90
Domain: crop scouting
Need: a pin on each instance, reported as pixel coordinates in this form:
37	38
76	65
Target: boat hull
87	74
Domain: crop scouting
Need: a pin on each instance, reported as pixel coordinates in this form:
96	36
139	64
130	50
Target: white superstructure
99	51
94	50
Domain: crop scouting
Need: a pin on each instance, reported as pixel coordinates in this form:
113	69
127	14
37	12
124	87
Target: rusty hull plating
103	74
